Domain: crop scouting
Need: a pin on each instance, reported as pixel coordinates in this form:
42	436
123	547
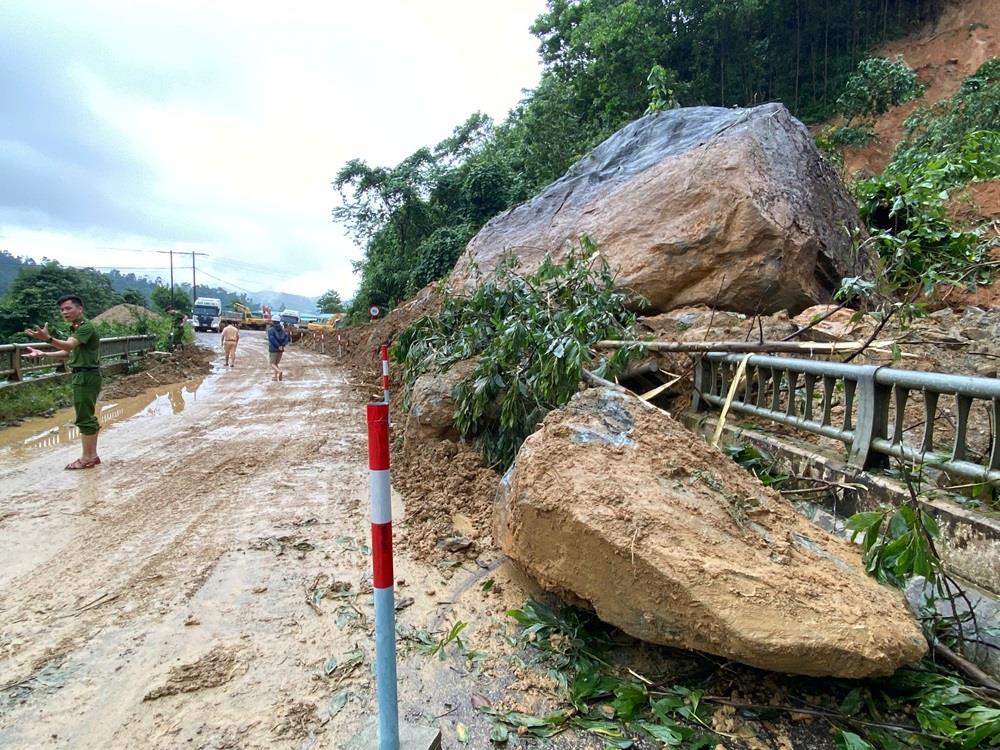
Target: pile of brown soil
161	368
361	343
449	494
124	314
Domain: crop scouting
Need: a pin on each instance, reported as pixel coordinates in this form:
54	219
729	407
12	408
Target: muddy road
208	585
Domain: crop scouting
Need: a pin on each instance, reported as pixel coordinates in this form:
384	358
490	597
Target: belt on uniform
85	369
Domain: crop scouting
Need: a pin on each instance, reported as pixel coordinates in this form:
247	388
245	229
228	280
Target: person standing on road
176	329
277	340
82	350
230	338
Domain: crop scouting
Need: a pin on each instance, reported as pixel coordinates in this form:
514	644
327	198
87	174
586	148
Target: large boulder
617	505
704	205
431	415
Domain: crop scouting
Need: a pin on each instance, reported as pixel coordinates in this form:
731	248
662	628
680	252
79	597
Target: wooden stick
600	382
740	370
744	347
966	667
816	322
659	389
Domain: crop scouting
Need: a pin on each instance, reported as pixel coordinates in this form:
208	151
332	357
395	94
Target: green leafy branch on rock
532	334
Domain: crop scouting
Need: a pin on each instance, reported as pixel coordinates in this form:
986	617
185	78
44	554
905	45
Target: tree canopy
31	297
330	302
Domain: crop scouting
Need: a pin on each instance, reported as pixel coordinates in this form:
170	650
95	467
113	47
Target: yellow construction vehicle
327	325
250	320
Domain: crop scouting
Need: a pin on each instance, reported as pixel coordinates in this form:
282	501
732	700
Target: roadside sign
373	311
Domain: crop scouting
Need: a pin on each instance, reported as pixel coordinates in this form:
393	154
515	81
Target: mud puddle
57	430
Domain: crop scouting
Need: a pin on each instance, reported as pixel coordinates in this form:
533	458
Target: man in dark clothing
82	350
277	340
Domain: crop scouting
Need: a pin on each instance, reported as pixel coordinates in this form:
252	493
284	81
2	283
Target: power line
253	267
123	268
230	283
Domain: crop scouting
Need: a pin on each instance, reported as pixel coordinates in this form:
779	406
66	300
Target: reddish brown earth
966	35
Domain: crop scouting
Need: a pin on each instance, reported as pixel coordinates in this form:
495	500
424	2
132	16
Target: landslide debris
695	205
615	504
161	368
215	668
449	493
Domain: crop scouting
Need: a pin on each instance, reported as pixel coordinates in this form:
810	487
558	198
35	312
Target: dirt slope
966	35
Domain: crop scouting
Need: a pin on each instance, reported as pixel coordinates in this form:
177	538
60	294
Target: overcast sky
128	127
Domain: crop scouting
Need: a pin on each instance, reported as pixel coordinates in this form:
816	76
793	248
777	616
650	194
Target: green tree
9	267
162	300
606	62
31	297
330	302
134	297
877	85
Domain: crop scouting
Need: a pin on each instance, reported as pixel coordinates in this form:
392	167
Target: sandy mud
208	585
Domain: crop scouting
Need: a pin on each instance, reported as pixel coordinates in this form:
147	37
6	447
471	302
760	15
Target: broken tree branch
966	667
600	382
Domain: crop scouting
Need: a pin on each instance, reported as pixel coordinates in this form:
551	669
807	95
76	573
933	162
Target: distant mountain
284	300
10	267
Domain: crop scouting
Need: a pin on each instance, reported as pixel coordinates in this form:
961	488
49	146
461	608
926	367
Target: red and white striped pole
385	613
385	372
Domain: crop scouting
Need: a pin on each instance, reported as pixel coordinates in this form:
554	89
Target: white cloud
238	115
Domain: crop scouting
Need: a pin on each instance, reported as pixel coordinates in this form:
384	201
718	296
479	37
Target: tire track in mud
161	518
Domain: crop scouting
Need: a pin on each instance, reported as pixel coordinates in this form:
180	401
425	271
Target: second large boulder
615	504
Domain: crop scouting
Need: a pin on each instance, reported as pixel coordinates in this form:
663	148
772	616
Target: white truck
290	318
207	314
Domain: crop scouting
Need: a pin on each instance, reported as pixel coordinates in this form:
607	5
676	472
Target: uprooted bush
533	335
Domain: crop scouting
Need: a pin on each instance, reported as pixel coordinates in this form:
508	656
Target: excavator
248	319
328	325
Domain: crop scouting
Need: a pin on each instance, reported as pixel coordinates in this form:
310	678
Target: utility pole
194	278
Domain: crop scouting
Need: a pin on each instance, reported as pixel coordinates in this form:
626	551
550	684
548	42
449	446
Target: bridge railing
951	422
14	366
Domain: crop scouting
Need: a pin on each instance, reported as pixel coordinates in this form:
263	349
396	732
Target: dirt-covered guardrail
15	367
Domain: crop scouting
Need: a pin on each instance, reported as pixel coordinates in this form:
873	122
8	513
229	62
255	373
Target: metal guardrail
812	395
13	366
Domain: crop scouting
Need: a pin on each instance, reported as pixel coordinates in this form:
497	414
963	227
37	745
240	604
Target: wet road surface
209	585
160	599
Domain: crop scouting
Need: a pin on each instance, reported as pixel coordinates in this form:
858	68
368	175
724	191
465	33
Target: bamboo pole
746	347
740	370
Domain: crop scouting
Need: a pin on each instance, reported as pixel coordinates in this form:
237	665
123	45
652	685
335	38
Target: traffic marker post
385	731
385	612
384	352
